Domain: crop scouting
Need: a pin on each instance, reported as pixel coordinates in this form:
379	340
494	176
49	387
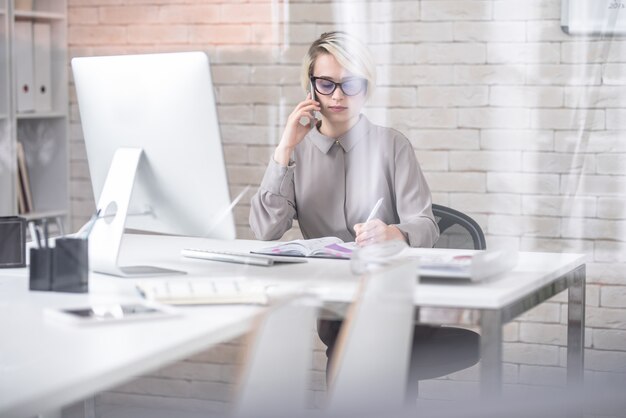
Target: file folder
42	58
24	66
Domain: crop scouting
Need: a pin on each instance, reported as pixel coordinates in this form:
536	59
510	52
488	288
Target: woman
329	175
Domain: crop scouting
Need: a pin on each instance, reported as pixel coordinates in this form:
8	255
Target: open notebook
326	247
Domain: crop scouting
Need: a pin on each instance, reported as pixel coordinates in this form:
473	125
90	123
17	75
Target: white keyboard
238	257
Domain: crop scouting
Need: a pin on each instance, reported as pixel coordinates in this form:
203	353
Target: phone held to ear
313	97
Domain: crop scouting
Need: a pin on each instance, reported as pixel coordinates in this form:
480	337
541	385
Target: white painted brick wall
513	121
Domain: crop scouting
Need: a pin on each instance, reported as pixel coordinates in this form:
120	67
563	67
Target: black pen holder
64	268
70	270
41	268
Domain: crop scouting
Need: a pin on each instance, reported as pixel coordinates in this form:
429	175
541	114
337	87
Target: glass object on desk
376	256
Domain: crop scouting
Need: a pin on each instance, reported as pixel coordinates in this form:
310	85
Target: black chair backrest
457	230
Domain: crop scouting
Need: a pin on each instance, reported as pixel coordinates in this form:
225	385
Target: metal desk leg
491	353
576	330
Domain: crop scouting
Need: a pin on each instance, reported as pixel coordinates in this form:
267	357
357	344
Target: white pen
374	210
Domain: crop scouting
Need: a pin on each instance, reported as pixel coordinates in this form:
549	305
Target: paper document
474	266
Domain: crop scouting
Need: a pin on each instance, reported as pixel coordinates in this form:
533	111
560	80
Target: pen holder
70	267
41	260
64	268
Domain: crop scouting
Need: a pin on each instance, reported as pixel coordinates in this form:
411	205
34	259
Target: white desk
45	365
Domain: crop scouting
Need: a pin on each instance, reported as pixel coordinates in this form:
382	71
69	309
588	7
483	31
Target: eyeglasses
350	87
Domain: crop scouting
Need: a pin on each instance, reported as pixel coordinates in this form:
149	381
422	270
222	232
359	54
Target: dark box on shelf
12	242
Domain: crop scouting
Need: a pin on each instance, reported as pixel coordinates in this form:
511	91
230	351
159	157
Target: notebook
326	247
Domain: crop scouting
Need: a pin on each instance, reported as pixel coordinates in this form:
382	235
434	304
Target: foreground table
46	365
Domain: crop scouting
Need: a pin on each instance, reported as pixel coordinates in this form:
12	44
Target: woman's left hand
376	231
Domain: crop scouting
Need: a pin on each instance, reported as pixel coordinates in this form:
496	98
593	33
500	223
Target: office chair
439	351
457	230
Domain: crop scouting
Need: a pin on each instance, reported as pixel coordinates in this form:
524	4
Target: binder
25	191
24	66
42	59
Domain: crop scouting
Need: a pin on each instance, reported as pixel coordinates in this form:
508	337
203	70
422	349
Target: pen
44	222
91	223
140	291
36	234
374	210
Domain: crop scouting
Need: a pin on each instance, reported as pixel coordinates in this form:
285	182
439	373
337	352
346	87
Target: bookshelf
41	129
7	167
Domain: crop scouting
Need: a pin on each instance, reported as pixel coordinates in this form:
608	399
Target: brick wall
513	122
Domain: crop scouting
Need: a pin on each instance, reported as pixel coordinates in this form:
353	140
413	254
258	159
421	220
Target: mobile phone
313	97
111	313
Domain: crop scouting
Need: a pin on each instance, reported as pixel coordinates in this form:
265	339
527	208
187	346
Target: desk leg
576	330
90	407
490	353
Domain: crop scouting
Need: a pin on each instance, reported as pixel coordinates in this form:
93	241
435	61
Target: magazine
326	247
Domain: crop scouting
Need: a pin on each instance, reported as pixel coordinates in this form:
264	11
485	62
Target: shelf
32	216
44	131
28	14
46	115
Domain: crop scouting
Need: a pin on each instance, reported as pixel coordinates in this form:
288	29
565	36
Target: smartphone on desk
110	313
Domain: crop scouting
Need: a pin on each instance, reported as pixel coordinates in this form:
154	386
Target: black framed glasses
350	87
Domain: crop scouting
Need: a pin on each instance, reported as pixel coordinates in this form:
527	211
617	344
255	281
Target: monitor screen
165	105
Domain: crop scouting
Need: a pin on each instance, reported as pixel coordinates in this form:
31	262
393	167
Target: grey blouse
333	184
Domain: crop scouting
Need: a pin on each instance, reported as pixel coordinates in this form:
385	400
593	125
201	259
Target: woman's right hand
294	131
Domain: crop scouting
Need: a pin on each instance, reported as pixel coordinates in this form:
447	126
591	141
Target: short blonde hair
351	53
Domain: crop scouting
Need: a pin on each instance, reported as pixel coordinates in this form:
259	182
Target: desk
46	365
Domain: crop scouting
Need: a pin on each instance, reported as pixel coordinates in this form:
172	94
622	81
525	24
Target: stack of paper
473	266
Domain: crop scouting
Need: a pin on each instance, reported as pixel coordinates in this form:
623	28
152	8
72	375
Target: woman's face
337	107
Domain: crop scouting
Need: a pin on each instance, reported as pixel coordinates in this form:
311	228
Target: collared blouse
333	184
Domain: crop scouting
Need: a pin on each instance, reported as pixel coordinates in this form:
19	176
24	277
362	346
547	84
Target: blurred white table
46	365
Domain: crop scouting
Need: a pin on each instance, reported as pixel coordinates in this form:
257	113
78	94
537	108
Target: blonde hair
351	53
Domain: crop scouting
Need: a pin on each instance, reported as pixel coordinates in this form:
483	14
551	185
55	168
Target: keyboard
203	292
238	257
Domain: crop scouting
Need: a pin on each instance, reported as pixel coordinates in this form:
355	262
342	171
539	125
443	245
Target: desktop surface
46	365
334	281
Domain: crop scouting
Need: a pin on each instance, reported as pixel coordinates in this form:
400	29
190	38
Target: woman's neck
335	130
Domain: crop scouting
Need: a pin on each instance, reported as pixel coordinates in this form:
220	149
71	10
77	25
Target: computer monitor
156	114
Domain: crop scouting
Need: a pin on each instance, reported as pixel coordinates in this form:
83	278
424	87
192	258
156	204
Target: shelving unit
43	134
8	205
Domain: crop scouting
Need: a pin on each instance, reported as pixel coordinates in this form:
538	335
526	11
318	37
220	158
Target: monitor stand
107	233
